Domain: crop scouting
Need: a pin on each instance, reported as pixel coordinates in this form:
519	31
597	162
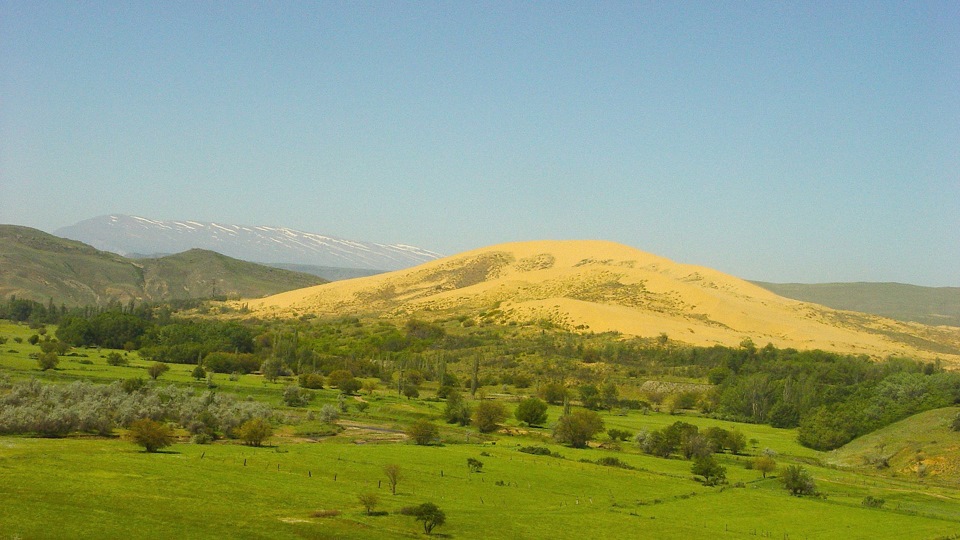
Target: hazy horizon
779	143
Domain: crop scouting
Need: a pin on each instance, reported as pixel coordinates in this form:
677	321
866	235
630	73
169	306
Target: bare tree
392	470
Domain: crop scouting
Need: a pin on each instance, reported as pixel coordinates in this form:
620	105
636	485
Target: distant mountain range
137	236
600	286
38	266
927	305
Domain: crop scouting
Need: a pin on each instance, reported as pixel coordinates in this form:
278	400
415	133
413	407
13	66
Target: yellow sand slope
603	286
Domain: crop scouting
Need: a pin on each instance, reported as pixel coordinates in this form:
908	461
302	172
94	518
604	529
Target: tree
313	381
712	472
474	464
488	415
392	470
423	432
255	431
764	464
48	360
457	411
797	480
156	369
431	516
590	396
369	501
117	359
151	435
553	393
411	390
271	368
533	411
199	373
577	428
344	381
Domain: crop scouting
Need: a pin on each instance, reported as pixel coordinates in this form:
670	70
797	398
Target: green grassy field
92	487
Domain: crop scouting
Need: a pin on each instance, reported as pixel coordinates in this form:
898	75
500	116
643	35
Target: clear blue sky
780	141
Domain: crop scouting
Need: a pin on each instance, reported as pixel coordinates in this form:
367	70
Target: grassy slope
927	305
39	266
925	437
84	487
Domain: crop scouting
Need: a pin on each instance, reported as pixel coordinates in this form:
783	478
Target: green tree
157	369
271	369
431	516
48	360
151	435
254	431
488	415
764	464
392	470
423	432
577	428
344	381
199	373
712	472
533	411
553	393
117	359
369	501
797	480
457	410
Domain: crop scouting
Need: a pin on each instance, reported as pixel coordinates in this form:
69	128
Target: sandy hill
603	286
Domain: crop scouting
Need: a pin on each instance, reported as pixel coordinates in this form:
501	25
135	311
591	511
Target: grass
88	487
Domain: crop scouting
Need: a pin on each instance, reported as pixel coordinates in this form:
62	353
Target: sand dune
603	286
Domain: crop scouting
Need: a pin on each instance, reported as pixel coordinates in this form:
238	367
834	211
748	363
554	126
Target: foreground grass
108	488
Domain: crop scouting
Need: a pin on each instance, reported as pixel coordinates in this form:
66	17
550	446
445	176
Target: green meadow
304	486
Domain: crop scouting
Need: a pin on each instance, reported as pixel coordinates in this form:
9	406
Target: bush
475	465
457	410
423	432
431	516
151	435
313	381
117	359
577	428
614	462
872	502
157	369
712	472
255	431
533	411
797	480
536	450
295	396
488	415
48	360
329	414
369	501
764	464
619	434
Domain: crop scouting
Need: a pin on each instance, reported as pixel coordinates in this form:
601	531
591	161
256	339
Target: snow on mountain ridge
137	235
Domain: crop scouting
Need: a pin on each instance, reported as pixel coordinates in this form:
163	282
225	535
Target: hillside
927	305
602	286
39	266
922	445
129	235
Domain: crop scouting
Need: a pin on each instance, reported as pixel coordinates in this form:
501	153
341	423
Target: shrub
431	516
614	462
955	425
157	369
536	450
117	359
255	431
457	410
48	360
313	381
423	432
619	434
712	472
764	464
488	415
872	502
797	480
295	396
369	501
577	428
199	373
475	465
325	513
533	411
329	414
151	435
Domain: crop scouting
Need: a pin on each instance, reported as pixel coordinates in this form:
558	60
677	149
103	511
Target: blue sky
805	141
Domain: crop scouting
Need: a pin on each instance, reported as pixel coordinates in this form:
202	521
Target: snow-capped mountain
132	235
